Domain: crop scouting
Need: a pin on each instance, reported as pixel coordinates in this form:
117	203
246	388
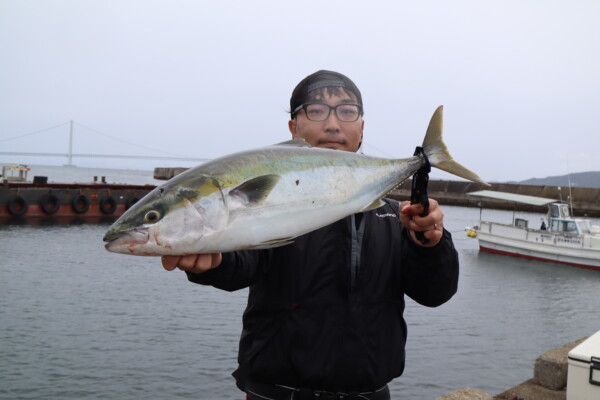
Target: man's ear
362	129
292	127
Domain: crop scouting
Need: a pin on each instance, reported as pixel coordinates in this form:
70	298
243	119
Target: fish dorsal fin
254	192
374	205
294	142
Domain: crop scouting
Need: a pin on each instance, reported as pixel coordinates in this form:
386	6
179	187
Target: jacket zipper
357	238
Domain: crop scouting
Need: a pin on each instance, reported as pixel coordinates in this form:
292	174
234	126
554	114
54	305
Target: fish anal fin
374	205
256	190
269	244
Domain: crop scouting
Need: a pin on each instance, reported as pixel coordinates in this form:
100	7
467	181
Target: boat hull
88	202
576	250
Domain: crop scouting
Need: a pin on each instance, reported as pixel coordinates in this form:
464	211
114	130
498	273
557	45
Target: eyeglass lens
344	112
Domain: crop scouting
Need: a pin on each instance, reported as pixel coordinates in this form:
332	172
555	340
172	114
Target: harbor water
78	322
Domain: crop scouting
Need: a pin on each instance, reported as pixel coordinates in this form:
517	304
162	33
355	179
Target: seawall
586	201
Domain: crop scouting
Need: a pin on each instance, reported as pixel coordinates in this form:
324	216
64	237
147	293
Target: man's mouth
330	144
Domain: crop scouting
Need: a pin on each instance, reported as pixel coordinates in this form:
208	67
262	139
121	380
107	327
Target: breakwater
586	201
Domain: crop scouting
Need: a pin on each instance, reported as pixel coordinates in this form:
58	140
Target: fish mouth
122	242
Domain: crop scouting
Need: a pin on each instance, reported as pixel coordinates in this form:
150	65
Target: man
325	313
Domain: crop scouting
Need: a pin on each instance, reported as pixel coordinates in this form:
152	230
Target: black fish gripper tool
418	194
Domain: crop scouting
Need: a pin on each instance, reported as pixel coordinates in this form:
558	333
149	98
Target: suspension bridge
70	155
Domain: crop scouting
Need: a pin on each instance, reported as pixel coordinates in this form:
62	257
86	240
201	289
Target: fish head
172	219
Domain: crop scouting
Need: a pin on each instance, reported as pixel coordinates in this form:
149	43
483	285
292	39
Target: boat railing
532	234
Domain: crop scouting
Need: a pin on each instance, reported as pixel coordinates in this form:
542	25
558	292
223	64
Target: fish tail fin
438	154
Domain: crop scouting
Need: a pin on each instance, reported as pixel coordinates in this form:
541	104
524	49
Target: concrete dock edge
549	380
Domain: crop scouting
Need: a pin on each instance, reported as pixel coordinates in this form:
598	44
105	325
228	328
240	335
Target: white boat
560	238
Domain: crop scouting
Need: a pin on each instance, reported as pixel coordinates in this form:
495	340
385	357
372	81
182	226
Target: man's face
331	133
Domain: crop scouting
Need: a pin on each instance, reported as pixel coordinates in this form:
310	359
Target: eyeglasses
320	112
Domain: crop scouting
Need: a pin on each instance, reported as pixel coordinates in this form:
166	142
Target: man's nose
332	122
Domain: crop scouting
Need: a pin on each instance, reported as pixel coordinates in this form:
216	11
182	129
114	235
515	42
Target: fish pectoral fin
374	205
256	190
269	244
294	142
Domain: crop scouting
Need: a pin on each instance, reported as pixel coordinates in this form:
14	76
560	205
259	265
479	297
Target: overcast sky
519	80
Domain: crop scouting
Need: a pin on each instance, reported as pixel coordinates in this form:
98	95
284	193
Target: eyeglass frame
331	108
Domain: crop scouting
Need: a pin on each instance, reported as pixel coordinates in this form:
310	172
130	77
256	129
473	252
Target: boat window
553	210
585	226
570	226
564	226
564	211
521	223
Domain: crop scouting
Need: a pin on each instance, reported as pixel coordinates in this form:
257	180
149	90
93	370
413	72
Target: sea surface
78	322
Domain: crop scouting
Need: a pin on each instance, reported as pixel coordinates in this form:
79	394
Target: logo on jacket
386	215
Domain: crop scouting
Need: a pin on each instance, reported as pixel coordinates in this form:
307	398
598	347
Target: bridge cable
33	133
126	142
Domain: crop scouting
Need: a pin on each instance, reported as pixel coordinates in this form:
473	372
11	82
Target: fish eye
152	216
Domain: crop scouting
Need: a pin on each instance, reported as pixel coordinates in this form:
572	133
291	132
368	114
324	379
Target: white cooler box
583	380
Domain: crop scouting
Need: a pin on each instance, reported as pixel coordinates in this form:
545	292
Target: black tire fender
108	205
49	203
17	205
80	203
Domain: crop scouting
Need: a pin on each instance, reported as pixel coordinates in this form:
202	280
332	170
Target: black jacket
314	321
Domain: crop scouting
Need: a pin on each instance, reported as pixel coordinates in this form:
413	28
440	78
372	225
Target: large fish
264	198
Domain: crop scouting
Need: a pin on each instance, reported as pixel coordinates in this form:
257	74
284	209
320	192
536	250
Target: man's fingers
169	262
195	263
186	263
432	225
203	262
216	259
411	209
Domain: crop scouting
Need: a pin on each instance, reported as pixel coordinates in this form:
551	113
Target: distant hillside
580	179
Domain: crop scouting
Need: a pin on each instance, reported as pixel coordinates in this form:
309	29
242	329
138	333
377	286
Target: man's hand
431	225
194	263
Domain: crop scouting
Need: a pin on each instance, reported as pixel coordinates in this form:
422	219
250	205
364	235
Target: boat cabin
15	172
560	220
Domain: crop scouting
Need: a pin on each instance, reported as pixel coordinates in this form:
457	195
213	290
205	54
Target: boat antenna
569	181
560	194
570	195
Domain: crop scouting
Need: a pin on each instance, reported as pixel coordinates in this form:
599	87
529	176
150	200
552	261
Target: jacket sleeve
237	270
429	274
